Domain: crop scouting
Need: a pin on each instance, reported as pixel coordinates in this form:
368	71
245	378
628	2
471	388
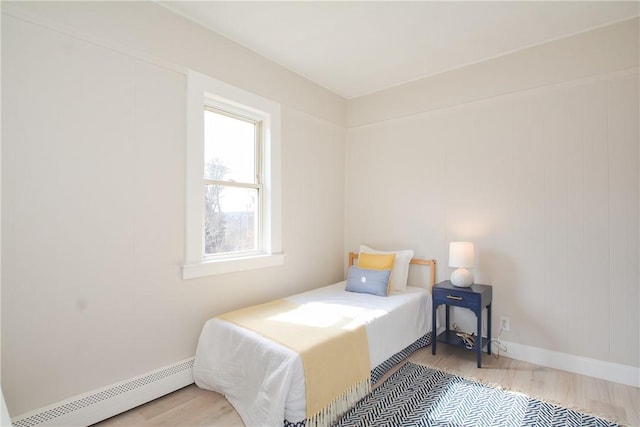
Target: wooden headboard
431	263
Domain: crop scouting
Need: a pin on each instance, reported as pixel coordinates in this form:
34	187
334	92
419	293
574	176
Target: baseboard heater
95	406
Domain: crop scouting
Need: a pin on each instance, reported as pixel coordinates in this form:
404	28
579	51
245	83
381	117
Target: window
233	179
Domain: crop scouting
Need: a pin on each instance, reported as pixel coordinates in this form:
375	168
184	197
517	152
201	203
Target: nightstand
475	298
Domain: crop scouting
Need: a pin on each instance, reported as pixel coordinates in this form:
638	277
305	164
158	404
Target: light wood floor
192	406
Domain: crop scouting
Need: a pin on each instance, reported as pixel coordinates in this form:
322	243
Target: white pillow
400	272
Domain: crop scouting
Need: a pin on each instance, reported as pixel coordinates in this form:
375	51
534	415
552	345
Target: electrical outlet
505	324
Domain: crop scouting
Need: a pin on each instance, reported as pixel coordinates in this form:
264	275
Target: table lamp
461	256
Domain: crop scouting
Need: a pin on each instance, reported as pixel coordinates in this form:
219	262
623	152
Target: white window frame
203	90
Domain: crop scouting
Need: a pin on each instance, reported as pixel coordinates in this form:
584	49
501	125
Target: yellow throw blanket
333	348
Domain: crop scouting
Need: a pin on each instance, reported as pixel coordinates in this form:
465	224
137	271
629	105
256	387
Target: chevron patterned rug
416	395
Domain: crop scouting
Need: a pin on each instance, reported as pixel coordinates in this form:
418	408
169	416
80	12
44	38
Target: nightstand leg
446	316
479	338
489	329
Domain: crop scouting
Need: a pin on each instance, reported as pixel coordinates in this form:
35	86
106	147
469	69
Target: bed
265	380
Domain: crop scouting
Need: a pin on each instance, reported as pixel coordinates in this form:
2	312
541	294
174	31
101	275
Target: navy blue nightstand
475	298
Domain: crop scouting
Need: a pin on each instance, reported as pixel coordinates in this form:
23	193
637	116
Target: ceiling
356	48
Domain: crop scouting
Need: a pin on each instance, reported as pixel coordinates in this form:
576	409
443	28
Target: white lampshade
461	256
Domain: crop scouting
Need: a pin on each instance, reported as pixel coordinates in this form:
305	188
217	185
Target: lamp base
462	278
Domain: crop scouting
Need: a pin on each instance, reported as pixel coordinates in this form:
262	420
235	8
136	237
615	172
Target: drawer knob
454	297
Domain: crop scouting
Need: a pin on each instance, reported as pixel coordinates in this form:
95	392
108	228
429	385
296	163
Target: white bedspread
264	380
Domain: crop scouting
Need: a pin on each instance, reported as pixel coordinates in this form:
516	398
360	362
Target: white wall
538	168
93	166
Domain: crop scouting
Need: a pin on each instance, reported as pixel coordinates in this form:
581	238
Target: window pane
229	148
230	219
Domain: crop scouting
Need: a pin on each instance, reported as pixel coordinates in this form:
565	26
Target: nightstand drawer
473	296
456	297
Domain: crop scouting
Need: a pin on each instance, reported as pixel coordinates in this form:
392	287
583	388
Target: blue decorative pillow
375	282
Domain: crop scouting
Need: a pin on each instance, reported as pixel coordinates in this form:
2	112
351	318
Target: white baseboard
609	371
5	419
97	405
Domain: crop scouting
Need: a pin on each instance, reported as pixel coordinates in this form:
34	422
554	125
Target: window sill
224	266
